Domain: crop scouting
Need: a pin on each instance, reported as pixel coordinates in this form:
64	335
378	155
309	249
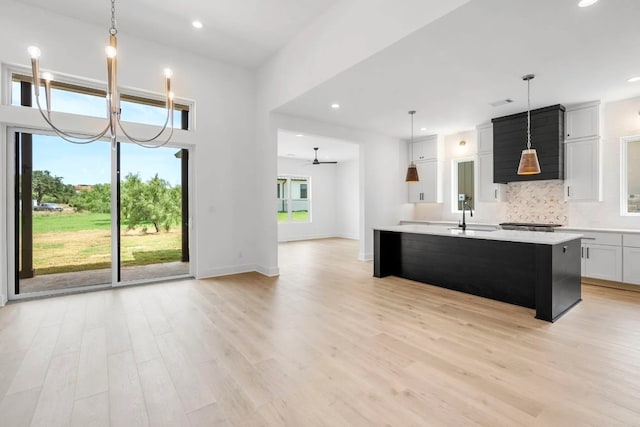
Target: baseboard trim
268	271
315	237
610	284
365	256
239	269
226	271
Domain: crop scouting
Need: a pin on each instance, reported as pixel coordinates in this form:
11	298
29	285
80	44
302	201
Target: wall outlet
462	197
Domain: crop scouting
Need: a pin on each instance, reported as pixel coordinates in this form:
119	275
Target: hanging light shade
412	170
529	164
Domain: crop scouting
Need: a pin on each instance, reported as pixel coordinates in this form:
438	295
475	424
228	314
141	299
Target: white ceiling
244	32
301	147
450	70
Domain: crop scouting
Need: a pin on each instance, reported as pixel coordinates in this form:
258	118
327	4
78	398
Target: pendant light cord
411	113
528	114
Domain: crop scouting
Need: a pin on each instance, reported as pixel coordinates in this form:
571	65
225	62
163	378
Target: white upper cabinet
427	155
582	181
582	121
582	152
487	191
485	139
429	188
428	148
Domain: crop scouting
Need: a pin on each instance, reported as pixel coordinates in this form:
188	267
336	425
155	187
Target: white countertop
535	237
602	230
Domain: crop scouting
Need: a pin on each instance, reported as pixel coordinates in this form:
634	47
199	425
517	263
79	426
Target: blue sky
91	163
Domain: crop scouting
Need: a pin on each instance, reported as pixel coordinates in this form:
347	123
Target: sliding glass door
87	215
66	217
63	214
153	220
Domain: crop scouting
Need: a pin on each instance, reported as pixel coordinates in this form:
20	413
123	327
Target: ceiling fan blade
323	163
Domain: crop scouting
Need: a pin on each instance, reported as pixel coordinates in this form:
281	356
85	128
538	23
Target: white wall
346	34
347	206
381	174
223	190
620	118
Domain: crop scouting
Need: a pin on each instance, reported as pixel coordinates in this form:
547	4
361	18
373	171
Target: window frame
624	174
287	188
454	182
98	88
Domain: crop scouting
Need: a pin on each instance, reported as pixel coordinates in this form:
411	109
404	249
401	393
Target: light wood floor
323	344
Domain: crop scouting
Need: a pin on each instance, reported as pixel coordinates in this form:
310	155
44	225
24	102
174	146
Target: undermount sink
473	229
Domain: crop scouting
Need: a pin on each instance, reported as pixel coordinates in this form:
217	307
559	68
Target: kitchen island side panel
493	269
558	279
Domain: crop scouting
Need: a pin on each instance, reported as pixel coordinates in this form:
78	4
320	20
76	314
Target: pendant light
412	171
529	164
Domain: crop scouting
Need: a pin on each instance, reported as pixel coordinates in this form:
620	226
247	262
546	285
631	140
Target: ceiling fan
317	162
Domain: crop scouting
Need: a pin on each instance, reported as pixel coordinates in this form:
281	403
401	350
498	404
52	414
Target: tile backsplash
537	201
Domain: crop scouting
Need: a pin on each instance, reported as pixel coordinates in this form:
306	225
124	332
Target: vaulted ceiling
450	71
244	32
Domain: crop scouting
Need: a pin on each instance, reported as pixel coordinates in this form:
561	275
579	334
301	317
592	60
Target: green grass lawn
296	216
51	222
65	242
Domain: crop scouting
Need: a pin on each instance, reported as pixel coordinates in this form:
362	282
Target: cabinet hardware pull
588	238
568	191
581	252
587	253
495	193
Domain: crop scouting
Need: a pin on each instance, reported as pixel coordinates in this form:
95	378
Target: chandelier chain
113	30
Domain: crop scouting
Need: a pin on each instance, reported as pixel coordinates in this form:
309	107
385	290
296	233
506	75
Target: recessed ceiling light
299	135
585	3
197	24
423	129
634	79
335	106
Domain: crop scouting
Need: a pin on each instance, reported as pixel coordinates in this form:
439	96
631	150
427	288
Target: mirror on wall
463	183
630	175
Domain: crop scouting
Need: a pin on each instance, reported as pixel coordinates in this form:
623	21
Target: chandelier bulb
47	76
171	95
110	51
34	52
168	73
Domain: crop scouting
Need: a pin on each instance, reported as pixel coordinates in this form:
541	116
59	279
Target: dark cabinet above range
547	137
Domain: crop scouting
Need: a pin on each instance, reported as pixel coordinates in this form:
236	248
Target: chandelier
113	98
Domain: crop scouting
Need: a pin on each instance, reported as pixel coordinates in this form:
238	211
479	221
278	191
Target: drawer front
611	239
631	241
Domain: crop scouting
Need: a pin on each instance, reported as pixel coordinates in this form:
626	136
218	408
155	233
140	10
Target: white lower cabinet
427	189
631	259
602	262
611	255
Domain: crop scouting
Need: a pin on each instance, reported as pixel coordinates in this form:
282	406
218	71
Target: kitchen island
532	269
